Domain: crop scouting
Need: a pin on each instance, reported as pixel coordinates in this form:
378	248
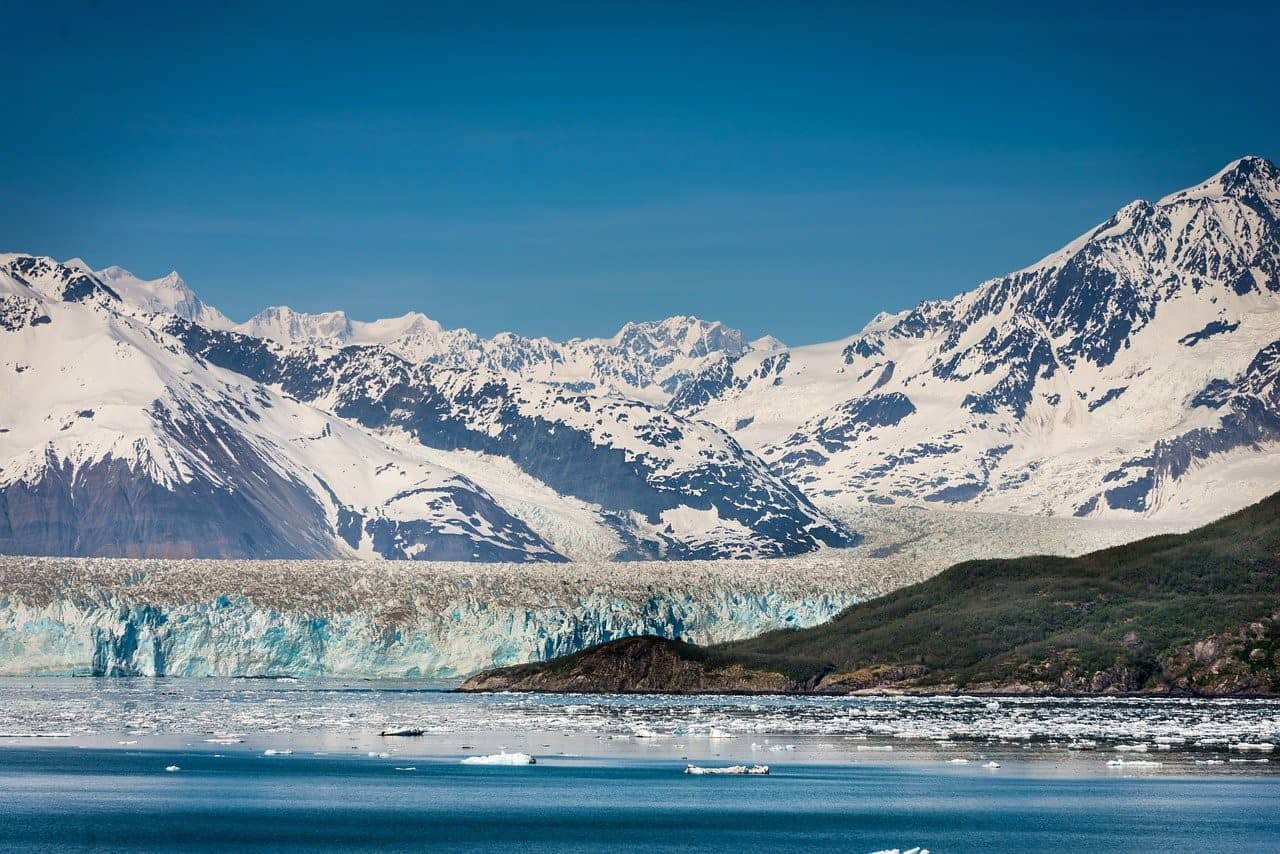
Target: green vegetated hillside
1193	612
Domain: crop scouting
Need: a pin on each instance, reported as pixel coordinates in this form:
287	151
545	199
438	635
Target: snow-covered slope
1132	372
129	432
114	441
668	487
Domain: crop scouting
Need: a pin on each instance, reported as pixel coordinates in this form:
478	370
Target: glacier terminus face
346	618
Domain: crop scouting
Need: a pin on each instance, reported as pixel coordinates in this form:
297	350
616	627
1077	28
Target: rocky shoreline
1245	663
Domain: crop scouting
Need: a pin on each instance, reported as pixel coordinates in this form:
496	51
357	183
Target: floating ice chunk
1211	762
501	759
406	767
881	748
37	734
271	751
1132	748
991	764
716	732
992	705
134	741
227	740
374	754
903	851
957	761
1169	739
1259	746
1132	763
729	770
172	768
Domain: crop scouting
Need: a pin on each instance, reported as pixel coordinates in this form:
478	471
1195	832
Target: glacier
441	620
344	618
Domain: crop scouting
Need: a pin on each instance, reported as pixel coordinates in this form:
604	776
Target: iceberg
503	758
731	770
1132	763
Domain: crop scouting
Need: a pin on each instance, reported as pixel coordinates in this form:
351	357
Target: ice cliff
319	618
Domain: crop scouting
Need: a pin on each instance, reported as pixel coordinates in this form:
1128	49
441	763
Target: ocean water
265	765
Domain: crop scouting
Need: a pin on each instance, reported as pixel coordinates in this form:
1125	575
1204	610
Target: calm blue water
64	798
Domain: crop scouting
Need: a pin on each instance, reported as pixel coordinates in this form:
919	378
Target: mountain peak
281	323
1249	177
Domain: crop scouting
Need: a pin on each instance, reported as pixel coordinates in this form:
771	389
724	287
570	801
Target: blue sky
559	169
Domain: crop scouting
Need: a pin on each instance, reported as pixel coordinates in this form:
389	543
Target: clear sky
558	169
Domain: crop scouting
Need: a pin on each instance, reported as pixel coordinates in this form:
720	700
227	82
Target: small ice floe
226	740
1132	748
903	851
1082	744
992	764
375	754
503	758
732	770
37	734
407	732
406	767
1258	746
1211	742
880	748
1118	762
1169	739
716	732
271	751
957	761
1241	761
172	768
992	705
134	741
1211	762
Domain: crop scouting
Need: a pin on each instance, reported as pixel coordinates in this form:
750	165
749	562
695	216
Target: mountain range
1130	374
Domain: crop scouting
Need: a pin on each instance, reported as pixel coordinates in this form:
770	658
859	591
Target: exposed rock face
1242	662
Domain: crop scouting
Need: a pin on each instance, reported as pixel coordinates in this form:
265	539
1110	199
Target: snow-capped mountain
1132	372
132	428
169	294
664	485
649	361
